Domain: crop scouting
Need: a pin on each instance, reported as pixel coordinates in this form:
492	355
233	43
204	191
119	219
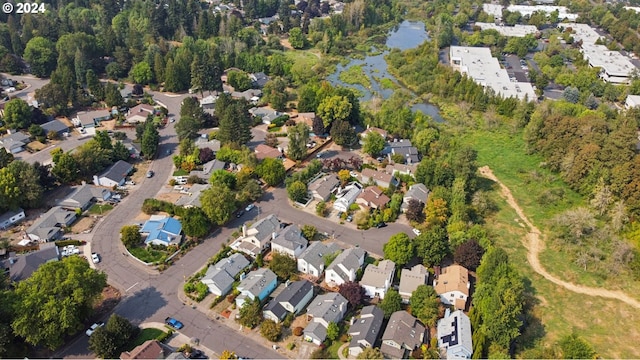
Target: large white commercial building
582	32
528	10
494	10
511	31
484	69
634	8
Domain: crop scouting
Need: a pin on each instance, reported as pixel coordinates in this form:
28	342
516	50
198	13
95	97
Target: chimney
244	230
273	235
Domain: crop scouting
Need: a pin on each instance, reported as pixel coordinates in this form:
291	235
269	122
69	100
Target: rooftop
193	196
410	279
377	275
582	32
455	331
452	278
264	151
517	30
163	228
367	327
405	330
350	259
324	185
528	10
118	171
290	238
329	307
24	265
55	125
612	62
315	253
377	175
374	195
150	349
256	280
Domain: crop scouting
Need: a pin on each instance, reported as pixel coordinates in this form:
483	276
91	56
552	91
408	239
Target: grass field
148	255
145	334
100	209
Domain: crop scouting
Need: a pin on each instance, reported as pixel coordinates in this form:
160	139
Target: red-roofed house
373	197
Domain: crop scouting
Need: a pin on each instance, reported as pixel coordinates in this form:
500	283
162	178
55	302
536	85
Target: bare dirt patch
84	224
36	146
141	171
107	125
109	298
171	197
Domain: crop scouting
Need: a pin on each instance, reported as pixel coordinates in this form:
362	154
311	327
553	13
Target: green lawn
100	209
145	334
180	172
333	349
148	255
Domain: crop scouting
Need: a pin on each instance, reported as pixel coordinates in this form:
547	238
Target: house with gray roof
260	79
404	148
90	119
267	115
22	266
115	175
257	238
324	309
322	187
404	333
208	168
366	329
417	192
345	266
410	279
380	178
347	196
220	276
312	260
55	126
258	284
49	225
14	143
11	217
84	196
454	335
212	144
377	279
192	198
291	300
289	241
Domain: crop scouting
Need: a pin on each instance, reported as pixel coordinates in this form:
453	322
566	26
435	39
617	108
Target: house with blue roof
162	230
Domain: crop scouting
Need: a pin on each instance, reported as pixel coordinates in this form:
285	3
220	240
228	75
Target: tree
432	246
17	114
321	208
399	249
120	152
309	232
228	355
188	127
250	313
112	95
415	211
41	55
250	191
571	94
103	344
5	157
575	347
195	223
296	38
318	126
391	303
469	254
298	138
150	141
71	280
333	331
334	108
141	73
272	171
218	202
270	330
343	134
373	143
235	121
239	80
425	305
344	176
370	353
223	178
108	341
130	236
275	93
297	191
353	292
283	265
65	169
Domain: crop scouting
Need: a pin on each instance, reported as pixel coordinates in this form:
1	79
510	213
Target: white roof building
513	31
634	8
582	32
616	68
484	69
494	10
528	10
454	335
632	101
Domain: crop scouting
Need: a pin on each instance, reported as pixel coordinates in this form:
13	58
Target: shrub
291	346
61	243
297	331
270	330
165	335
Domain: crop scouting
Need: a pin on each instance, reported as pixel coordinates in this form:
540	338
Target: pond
407	35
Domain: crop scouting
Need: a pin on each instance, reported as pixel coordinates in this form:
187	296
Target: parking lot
518	69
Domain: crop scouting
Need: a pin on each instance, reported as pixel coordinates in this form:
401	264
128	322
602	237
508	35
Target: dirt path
535	245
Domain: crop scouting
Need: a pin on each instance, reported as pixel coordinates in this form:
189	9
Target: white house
312	260
11	217
452	285
220	276
257	238
347	196
454	335
291	300
258	284
403	334
365	330
289	241
377	279
632	101
139	113
410	279
115	175
344	267
323	310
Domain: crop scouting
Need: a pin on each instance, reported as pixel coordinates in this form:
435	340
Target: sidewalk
177	339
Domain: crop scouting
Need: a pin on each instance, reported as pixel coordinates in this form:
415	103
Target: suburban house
11	217
324	309
345	266
289	241
208	102
371	129
347	196
91	119
365	330
291	300
208	168
221	275
134	148
404	148
49	225
162	230
410	279
259	79
150	349
14	143
251	95
373	197
308	119
84	196
454	335
258	284
267	115
192	197
139	113
212	144
403	334
114	175
257	238
381	178
377	279
417	192
22	266
321	188
265	151
402	169
312	260
55	126
632	101
452	285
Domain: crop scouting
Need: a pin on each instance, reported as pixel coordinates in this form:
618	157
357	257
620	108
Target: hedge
61	243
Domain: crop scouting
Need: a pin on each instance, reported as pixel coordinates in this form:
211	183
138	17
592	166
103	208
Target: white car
178	188
95	257
93	328
249	207
416	231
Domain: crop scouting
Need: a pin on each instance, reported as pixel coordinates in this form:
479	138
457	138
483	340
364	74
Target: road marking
131	287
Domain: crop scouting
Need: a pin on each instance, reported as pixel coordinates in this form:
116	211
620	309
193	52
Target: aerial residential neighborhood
319	179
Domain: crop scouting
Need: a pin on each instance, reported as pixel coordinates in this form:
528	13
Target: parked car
197	354
130	182
172	119
240	213
150	173
93	328
381	225
95	257
178	188
173	323
416	231
249	207
350	218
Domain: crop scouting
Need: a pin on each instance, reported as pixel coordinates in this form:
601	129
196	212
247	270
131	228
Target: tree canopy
399	249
